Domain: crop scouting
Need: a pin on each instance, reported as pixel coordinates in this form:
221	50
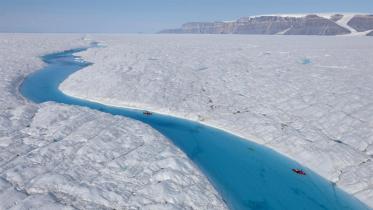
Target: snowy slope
307	97
62	157
344	20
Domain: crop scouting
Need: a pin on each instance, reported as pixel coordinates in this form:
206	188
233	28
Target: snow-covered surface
318	112
62	157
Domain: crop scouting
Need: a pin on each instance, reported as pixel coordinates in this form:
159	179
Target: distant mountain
303	24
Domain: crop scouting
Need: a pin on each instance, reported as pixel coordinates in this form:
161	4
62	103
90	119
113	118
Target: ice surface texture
318	113
62	157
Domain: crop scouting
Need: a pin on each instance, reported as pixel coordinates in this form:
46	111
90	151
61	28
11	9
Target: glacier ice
65	157
319	114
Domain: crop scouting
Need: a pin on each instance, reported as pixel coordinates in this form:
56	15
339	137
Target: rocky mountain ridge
305	24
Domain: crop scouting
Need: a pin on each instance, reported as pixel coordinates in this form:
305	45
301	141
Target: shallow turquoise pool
247	175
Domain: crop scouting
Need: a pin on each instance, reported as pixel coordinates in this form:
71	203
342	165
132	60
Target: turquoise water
247	175
306	61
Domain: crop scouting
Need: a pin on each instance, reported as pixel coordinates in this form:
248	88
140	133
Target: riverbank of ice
318	113
63	157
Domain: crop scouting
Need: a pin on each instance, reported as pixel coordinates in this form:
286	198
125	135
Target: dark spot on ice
283	126
237	112
338	141
202	68
153	59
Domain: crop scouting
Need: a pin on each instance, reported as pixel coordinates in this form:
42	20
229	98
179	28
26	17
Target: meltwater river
247	175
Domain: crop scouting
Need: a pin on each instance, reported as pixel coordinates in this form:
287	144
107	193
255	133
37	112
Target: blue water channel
247	175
